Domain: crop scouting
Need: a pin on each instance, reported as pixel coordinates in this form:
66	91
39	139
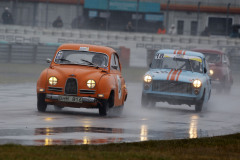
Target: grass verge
215	148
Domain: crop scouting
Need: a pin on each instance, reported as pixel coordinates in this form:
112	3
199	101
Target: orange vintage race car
82	76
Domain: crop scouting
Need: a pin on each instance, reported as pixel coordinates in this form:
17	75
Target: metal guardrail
38	53
26	53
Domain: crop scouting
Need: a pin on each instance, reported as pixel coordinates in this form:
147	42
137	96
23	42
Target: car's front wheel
144	101
41	104
147	102
199	105
103	107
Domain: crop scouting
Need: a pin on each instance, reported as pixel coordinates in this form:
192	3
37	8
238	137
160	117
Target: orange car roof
92	48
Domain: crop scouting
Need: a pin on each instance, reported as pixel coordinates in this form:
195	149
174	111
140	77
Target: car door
115	68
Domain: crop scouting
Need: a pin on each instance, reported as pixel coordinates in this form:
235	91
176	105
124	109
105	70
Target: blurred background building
199	17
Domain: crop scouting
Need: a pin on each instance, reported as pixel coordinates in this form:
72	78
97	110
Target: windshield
213	58
82	58
170	61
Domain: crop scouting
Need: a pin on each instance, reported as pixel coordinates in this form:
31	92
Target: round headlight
147	78
197	83
52	80
211	72
91	83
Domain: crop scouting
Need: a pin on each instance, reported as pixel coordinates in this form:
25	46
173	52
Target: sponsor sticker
59	55
84	48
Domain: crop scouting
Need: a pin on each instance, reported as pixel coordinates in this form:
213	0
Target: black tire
41	104
209	94
144	101
152	104
199	105
147	102
103	107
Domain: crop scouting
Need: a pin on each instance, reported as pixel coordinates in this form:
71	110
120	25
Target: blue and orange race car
177	77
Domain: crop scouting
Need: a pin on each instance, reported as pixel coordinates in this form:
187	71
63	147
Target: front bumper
171	99
84	99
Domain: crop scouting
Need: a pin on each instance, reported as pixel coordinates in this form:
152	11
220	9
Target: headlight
197	83
147	78
52	80
91	83
211	72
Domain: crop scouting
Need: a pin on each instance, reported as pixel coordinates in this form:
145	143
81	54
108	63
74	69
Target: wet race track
21	123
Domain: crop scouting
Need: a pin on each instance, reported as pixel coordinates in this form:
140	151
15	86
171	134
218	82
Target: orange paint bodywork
107	79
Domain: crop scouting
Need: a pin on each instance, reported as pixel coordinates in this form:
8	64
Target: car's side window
225	59
207	66
117	62
114	62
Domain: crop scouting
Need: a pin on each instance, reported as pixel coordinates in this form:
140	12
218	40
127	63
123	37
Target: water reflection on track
20	123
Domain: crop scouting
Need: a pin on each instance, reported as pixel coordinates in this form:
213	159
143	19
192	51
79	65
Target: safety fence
117	36
26	53
38	53
20	44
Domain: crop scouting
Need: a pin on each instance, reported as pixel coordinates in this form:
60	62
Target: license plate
70	99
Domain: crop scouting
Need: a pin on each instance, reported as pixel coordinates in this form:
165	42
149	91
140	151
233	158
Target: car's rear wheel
41	104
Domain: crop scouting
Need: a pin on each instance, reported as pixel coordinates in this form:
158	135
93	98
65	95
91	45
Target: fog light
41	90
100	95
146	86
196	91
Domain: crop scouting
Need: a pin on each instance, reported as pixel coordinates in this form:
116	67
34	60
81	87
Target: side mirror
205	70
48	60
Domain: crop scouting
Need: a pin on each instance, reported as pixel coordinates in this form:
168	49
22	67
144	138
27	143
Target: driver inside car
99	60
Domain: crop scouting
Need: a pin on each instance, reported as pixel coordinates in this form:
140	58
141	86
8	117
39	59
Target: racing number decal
119	87
159	56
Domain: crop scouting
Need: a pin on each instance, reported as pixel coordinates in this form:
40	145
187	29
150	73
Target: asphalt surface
21	123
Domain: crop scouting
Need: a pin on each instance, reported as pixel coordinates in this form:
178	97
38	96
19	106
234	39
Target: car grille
55	89
84	91
172	86
71	86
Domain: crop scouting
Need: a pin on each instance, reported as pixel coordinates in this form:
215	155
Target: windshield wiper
62	59
91	64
